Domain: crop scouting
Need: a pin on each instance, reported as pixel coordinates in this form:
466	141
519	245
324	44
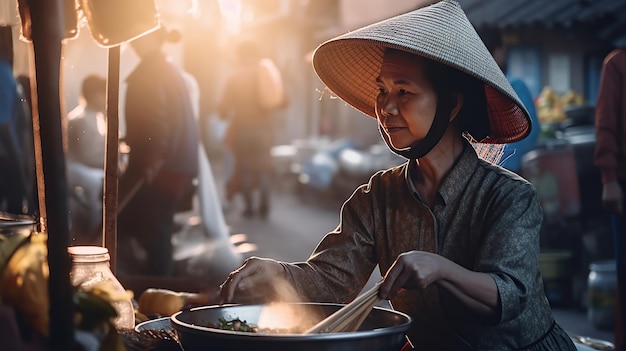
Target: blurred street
294	227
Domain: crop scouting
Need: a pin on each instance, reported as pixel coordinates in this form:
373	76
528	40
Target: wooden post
111	159
47	35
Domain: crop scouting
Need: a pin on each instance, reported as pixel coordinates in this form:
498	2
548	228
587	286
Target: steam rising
282	314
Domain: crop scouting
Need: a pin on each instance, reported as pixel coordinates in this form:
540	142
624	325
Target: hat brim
349	64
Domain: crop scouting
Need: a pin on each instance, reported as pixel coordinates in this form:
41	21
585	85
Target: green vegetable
236	325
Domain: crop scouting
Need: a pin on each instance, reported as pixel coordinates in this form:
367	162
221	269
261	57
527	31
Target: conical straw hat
350	63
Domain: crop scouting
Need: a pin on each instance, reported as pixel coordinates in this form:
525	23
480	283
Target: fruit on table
24	282
164	302
550	105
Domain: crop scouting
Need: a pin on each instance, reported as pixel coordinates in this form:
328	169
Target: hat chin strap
435	133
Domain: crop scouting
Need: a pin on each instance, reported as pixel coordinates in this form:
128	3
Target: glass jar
90	266
601	290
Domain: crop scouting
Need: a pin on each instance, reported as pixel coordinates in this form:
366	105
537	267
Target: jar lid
88	253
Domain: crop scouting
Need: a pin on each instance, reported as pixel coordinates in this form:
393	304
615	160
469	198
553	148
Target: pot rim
185	327
161	323
9	220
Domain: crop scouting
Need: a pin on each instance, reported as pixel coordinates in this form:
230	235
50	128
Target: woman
456	237
250	135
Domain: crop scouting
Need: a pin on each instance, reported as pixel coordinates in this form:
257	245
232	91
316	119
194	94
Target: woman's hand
419	269
255	281
613	197
413	269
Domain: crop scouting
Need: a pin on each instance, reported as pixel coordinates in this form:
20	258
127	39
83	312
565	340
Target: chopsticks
351	316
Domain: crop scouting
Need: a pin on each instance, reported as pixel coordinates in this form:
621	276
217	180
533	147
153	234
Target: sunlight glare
231	15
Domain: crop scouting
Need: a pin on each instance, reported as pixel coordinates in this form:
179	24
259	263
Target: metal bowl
382	330
159	334
158	324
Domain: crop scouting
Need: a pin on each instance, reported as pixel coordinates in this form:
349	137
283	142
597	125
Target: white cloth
86	136
210	206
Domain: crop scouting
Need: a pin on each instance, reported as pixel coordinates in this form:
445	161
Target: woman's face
406	102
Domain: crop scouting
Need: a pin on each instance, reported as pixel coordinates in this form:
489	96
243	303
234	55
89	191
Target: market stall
45	240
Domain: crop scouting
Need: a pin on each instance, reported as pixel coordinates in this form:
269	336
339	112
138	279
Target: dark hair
172	35
93	84
472	118
167	35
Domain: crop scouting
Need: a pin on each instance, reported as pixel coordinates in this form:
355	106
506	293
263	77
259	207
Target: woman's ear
457	102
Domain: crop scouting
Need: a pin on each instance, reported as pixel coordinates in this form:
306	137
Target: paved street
291	231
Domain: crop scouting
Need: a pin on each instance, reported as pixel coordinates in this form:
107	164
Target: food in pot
235	325
239	325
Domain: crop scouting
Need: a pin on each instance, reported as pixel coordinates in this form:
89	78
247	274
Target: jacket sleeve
510	249
608	113
343	261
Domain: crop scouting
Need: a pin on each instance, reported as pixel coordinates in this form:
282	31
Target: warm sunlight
230	151
231	15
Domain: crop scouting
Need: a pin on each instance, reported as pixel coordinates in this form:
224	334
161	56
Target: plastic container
551	168
554	266
90	266
601	290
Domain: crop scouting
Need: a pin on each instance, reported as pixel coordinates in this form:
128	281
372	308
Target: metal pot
382	330
11	224
14	231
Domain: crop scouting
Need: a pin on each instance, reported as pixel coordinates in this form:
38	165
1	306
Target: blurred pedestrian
250	133
25	123
86	124
455	236
16	149
513	152
610	158
161	133
86	131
